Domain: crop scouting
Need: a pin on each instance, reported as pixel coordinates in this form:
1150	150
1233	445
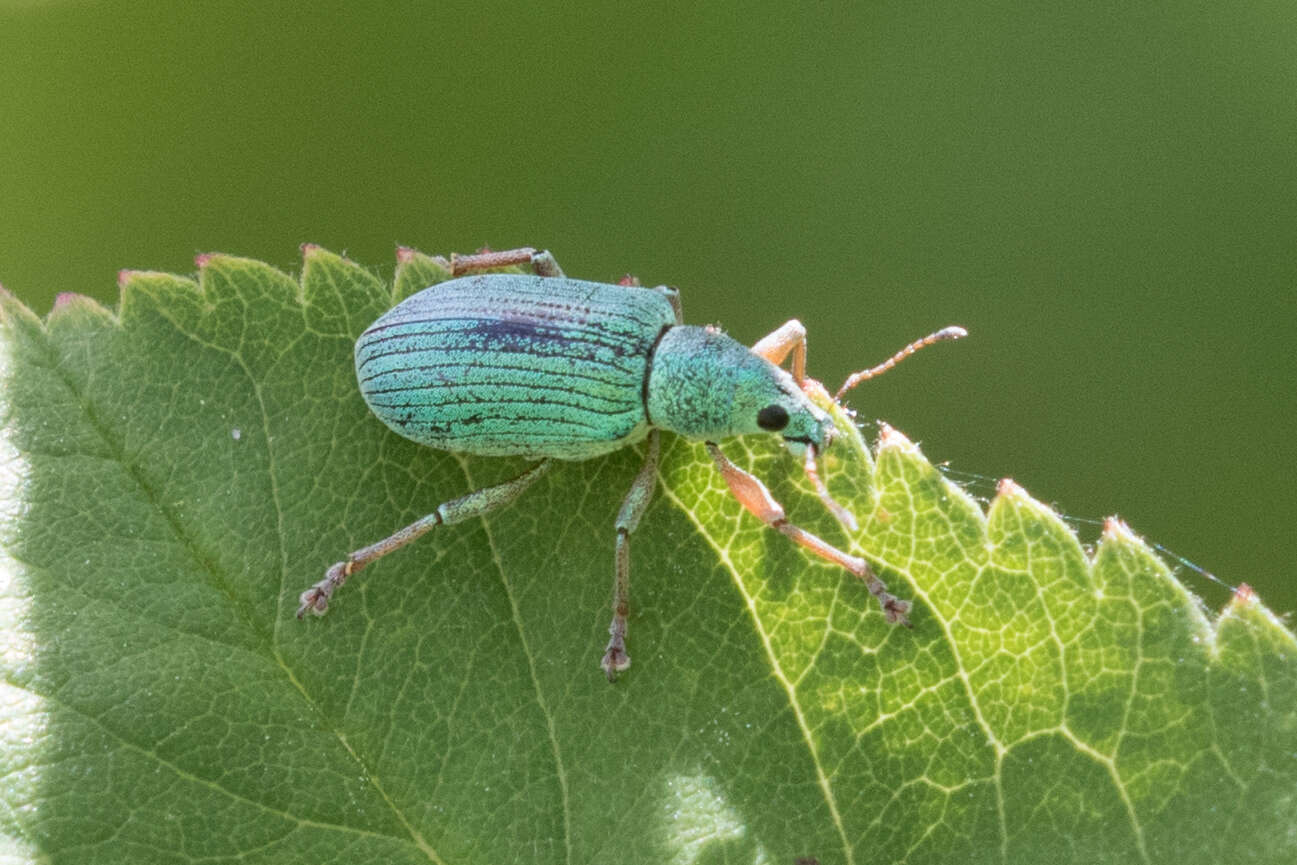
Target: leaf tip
65	299
68	305
410	255
313	253
1115	528
890	437
1009	488
124	277
416	270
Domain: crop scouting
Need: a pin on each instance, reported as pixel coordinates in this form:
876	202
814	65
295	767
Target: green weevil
543	366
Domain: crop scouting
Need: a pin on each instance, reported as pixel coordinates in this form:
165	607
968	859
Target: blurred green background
1105	194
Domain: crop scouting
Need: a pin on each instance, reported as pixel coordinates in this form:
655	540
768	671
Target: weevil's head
707	386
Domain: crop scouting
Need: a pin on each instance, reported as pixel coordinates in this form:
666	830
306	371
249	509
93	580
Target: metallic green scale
515	365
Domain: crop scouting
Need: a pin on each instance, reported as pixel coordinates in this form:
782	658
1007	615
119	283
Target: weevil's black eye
773	418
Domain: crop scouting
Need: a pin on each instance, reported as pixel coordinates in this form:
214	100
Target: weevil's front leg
754	496
774	347
540	261
474	504
615	658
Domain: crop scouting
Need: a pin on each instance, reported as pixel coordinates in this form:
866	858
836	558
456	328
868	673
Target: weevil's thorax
705	385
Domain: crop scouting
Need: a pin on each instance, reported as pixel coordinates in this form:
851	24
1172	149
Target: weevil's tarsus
615	658
540	261
946	333
754	496
474	504
843	515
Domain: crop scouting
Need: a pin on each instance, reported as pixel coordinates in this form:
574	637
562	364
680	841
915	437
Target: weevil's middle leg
754	496
474	504
615	659
540	261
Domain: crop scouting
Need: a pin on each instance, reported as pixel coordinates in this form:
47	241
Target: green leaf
176	473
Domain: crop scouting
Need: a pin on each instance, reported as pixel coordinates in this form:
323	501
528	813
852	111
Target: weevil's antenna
813	475
952	332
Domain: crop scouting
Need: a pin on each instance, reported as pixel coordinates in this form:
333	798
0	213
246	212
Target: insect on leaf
177	470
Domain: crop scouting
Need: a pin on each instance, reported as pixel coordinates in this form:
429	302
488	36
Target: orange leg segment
754	496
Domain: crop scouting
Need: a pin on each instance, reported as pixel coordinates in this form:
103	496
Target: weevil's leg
856	378
812	471
474	504
754	496
540	261
672	294
774	347
615	659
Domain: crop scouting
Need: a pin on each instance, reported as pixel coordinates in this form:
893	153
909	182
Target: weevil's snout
815	431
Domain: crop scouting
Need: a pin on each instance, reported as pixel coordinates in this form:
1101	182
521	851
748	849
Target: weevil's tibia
843	515
540	261
854	379
474	504
615	659
754	496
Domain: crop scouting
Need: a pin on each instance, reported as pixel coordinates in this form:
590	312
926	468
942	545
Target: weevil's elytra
503	365
542	366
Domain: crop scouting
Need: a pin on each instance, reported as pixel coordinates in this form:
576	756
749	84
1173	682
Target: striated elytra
542	366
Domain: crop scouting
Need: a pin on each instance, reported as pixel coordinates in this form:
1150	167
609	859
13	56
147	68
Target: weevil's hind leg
474	504
540	261
754	496
615	659
775	346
